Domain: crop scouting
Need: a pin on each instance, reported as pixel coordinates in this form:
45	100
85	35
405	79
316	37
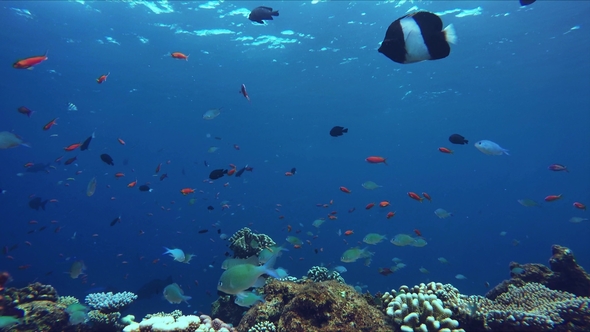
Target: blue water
518	77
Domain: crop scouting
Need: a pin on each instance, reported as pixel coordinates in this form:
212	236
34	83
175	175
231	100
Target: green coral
67	300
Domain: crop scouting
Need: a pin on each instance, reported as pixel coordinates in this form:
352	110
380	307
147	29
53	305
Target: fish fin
275	13
267	268
259	283
450	34
259	21
506	152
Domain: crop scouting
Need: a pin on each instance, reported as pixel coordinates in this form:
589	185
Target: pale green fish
8	321
177	254
490	148
76	307
370	185
192	201
400	265
212	149
503	233
460	277
374	238
351	255
418	242
528	202
231	262
91	187
174	294
396	260
517	270
442	213
578	219
77	313
308	233
443	260
423	270
402	240
267	253
77	269
340	269
212	113
9	140
248	299
318	222
294	240
240	277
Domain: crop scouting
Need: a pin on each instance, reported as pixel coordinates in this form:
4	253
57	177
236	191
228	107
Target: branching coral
244	243
320	273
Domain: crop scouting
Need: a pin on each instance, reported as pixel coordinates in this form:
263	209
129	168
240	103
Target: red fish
288	174
122	142
102	78
50	124
71	160
119	175
28	63
445	150
178	55
390	215
558	168
348	232
231	172
244	92
72	147
158	168
376	160
384	204
580	206
187	191
417	231
370	205
427	196
415	196
552	198
132	184
385	271
345	190
25	111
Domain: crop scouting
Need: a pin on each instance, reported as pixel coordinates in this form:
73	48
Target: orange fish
178	55
427	196
552	198
415	196
332	217
119	175
28	63
132	184
122	142
445	150
384	204
50	124
288	174
187	191
348	232
345	190
244	92
370	205
376	160
231	172
29	164
580	206
102	78
390	215
417	231
72	147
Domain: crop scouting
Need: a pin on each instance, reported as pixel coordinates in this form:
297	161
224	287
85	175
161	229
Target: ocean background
518	76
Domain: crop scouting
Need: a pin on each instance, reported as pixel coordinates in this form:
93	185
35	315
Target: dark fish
37	203
218	173
31	232
116	220
385	271
219	231
38	167
203	231
249	169
210	208
163	176
458	139
42	228
241	171
154	287
226	254
293	170
315	250
526	2
71	160
205	163
417	37
262	13
338	131
144	187
84	145
107	159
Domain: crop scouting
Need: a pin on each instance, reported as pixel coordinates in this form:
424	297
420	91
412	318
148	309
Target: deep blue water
518	77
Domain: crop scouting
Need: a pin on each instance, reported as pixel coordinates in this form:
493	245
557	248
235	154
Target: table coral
244	243
320	273
109	302
179	323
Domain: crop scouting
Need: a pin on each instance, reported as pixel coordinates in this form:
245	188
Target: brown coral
33	292
315	306
244	243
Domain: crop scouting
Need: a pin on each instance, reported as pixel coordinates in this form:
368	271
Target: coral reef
564	275
320	273
67	300
244	243
109	302
226	309
105	321
33	292
176	322
314	306
264	326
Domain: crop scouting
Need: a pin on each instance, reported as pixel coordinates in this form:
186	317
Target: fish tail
506	152
268	266
275	13
450	34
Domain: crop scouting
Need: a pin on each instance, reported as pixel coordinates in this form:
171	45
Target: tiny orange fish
28	63
445	150
288	174
187	191
417	231
384	204
231	172
132	184
348	232
178	55
580	206
345	190
427	196
390	215
370	205
415	196
376	160
552	198
332	217
102	78
50	124
119	175
29	164
72	147
122	142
